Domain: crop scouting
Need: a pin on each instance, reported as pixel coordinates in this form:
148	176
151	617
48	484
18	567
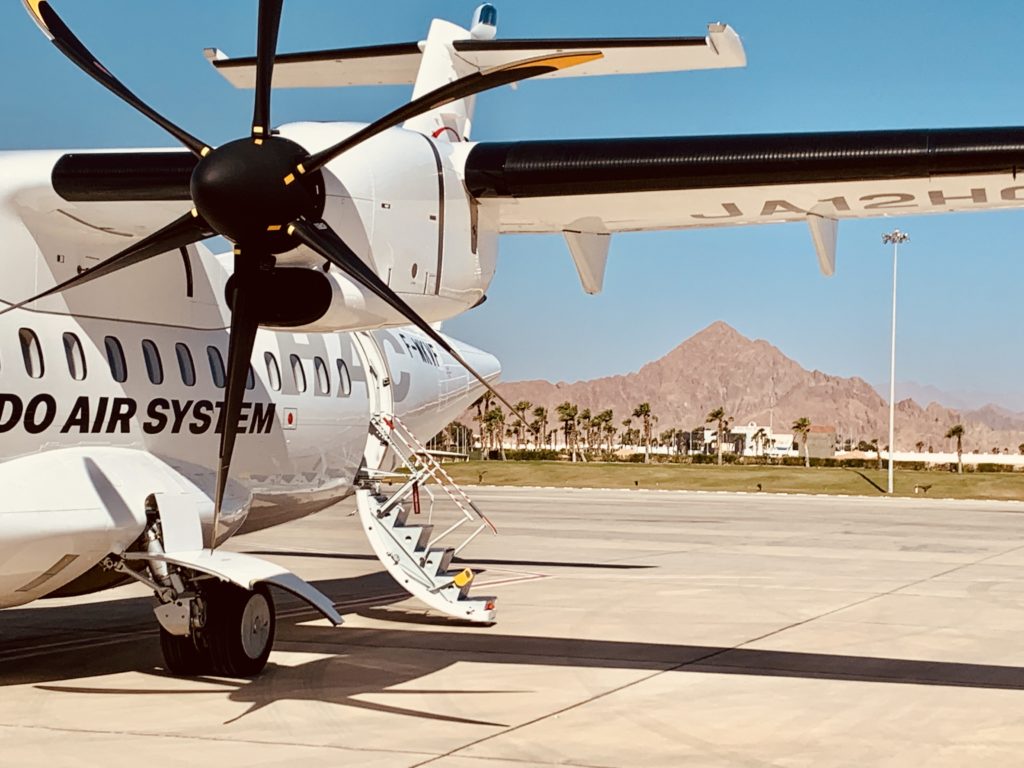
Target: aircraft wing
62	212
591	188
88	205
399	63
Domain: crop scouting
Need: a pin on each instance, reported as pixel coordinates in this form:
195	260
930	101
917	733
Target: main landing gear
234	641
208	626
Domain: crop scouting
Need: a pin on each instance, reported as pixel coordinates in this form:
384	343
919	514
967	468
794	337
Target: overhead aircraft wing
589	189
88	203
63	212
399	63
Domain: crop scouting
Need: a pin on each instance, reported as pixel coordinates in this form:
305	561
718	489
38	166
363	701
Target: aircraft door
379	390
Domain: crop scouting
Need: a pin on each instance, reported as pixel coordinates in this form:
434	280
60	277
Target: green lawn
772	479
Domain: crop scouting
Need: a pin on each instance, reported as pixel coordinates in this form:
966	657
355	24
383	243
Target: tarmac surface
635	629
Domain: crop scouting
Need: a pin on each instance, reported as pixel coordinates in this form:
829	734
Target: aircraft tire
181	657
240	629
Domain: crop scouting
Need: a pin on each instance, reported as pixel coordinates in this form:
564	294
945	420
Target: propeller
67	43
462	88
238	193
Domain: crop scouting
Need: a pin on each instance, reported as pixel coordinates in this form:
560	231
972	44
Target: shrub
536	454
856	463
987	466
912	465
824	462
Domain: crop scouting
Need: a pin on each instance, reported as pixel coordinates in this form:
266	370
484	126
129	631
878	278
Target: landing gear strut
207	626
214	607
236	639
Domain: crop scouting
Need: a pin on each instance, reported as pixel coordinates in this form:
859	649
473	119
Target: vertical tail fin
441	65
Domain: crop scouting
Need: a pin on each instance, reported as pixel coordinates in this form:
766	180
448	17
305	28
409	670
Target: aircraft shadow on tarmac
354	662
458	560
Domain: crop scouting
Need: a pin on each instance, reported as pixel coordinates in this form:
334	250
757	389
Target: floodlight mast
895	238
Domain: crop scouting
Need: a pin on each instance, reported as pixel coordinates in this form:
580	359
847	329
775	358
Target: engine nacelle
401	206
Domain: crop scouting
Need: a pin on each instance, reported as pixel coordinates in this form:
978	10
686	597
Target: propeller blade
266	48
460	89
67	43
325	241
244	323
188	229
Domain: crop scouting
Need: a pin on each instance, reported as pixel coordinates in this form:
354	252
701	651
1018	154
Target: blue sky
811	66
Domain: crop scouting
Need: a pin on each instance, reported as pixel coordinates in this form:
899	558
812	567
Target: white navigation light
485	22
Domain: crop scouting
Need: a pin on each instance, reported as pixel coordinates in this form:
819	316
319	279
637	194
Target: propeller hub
239	189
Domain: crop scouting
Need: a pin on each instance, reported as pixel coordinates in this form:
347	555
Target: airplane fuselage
100	389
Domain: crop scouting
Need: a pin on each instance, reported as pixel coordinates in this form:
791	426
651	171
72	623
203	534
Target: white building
763	441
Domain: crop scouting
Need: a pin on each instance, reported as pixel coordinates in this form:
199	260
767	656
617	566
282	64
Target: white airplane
157	399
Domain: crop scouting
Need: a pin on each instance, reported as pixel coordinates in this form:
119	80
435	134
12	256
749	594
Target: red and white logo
289	418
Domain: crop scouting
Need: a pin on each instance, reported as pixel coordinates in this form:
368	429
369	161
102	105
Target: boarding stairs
401	525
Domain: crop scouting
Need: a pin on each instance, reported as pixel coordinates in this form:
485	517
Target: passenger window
185	364
154	367
323	377
298	373
216	366
273	372
31	352
346	379
250	379
115	358
76	357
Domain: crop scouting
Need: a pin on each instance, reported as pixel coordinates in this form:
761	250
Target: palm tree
494	420
610	431
486	444
802	427
668	438
479	419
878	451
643	412
520	423
605	428
919	445
585	426
567	413
718	417
759	439
626	431
957	432
540	419
594	433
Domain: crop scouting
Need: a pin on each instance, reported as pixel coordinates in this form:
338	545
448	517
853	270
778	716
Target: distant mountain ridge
962	400
756	382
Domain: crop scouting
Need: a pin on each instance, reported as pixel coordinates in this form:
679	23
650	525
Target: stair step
414	537
438	559
460	580
404	512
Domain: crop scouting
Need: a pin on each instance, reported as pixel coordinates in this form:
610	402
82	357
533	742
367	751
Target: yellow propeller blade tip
558	61
32	6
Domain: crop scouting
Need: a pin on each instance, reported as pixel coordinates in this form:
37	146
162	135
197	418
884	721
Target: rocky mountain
756	382
960	399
